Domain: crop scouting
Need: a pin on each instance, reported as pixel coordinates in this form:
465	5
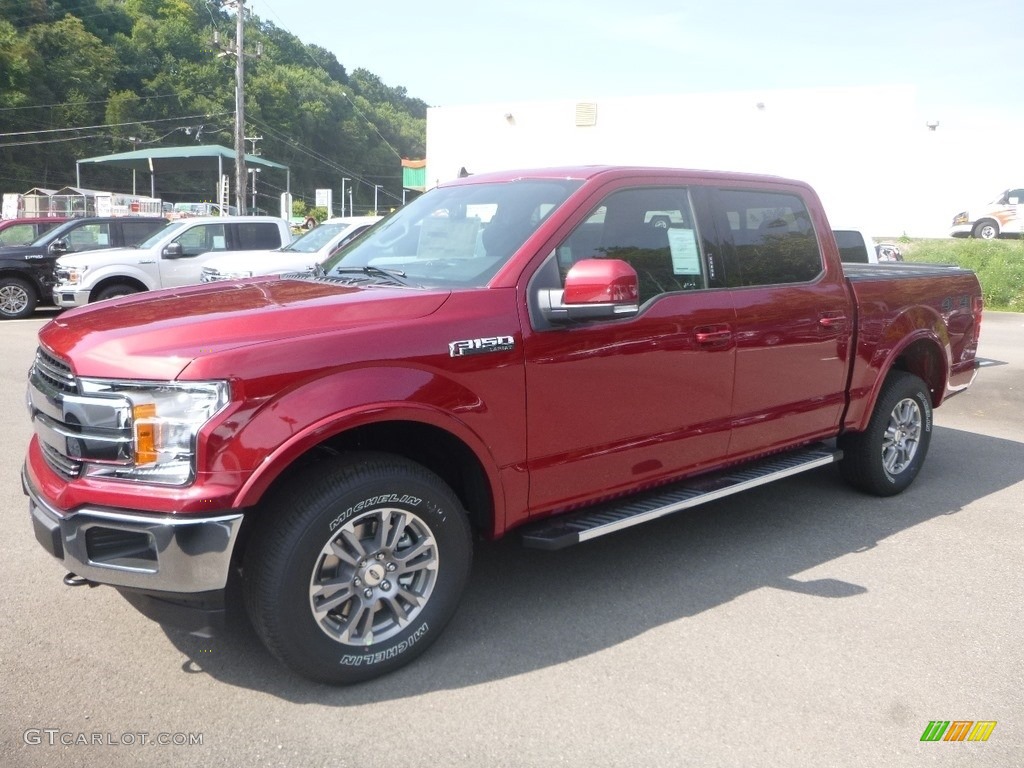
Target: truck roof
585	172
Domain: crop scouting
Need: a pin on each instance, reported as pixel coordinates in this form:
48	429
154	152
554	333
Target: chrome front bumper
158	553
68	297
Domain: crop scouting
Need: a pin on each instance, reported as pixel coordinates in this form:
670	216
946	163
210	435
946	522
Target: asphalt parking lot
802	624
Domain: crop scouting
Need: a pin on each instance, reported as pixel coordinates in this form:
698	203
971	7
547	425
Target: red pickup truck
560	352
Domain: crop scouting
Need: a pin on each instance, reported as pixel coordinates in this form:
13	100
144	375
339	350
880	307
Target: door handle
713	335
832	320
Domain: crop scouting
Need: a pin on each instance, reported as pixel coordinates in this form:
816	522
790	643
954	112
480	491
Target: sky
963	60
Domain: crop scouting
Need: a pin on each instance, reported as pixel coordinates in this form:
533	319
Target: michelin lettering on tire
389	498
353	660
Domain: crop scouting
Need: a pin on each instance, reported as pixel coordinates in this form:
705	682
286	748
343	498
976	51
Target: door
793	320
198	243
616	405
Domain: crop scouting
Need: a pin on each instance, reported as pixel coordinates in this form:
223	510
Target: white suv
299	255
173	256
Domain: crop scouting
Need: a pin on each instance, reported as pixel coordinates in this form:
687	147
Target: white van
300	255
992	220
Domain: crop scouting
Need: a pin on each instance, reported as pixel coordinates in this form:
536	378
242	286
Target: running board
575	527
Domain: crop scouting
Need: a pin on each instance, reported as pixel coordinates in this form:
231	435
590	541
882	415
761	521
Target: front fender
119	272
264	438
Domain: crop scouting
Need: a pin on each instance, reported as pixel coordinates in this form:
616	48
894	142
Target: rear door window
258	235
768	236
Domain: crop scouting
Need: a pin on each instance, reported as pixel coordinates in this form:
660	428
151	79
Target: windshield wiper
395	276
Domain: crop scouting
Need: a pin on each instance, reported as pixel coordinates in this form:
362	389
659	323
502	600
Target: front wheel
113	291
885	458
986	230
17	298
356	566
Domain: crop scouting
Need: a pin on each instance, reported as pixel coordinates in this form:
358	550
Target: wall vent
586	114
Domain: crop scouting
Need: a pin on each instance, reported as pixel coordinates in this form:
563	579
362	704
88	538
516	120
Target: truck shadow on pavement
526	610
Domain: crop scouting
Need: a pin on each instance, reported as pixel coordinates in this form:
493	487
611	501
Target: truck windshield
457	236
160	234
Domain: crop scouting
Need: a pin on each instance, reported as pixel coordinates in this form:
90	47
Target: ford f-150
525	351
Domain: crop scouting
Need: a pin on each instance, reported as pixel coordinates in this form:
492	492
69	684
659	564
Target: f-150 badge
480	346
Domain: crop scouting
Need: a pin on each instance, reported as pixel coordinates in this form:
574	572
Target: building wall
867	151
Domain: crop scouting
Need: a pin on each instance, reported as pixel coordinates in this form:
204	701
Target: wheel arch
987	220
427	441
924	355
12	272
926	359
112	280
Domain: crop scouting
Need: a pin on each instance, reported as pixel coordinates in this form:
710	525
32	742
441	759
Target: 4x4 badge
480	346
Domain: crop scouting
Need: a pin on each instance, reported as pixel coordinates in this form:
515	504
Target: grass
999	265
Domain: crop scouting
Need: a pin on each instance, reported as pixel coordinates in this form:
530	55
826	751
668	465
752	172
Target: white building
874	160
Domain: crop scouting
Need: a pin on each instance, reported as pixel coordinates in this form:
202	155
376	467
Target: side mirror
595	289
60	245
173	251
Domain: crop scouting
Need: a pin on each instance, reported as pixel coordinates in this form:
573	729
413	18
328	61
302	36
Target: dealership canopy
204	157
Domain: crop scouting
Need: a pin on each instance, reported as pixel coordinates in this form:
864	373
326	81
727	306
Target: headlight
961	218
71	275
165	421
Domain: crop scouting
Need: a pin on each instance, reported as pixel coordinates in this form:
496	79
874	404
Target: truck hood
20	252
99	257
264	262
156	335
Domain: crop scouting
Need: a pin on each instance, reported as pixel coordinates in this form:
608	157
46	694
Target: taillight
977	306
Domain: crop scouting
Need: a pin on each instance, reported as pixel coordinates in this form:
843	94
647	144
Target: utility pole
343	180
238	51
241	173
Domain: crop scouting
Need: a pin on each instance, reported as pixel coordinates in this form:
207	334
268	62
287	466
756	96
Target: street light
135	140
254	171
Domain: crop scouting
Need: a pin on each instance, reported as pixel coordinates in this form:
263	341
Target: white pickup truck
172	257
300	255
857	247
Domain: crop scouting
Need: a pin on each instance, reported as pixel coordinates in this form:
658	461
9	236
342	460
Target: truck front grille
55	371
75	427
67	468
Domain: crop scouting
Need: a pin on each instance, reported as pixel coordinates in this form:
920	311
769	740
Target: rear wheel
885	458
17	298
356	566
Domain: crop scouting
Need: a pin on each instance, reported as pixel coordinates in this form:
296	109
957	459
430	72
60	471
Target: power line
101	101
111	125
343	92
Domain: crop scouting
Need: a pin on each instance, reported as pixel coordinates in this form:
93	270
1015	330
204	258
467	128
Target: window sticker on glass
685	255
442	238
